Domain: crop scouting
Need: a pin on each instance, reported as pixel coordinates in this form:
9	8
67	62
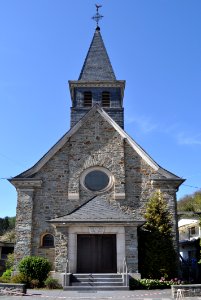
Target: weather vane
97	17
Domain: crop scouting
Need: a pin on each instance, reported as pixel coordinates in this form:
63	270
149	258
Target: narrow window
105	99
48	240
192	230
87	99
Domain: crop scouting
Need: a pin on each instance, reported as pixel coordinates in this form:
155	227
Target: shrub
7	274
34	283
10	261
4	280
35	267
20	278
52	283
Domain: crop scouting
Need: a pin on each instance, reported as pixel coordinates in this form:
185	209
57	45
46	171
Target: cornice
25	182
166	183
112	84
62	223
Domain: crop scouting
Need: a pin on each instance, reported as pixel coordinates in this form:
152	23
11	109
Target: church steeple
97	84
97	64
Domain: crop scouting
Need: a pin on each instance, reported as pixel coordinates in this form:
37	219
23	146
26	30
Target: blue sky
155	45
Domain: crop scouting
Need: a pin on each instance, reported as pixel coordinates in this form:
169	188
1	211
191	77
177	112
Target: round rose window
96	180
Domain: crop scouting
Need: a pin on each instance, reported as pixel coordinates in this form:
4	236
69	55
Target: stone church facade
81	204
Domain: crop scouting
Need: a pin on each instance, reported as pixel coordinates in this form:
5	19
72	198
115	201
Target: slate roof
98	209
97	64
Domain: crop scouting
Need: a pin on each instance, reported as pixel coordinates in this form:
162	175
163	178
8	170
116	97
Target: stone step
79	279
104	283
105	275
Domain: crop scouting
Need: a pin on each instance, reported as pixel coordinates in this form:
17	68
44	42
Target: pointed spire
97	64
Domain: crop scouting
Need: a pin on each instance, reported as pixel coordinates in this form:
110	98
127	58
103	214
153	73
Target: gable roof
96	108
97	64
90	212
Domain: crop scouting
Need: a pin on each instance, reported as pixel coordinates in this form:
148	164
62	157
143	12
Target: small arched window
105	99
87	99
48	240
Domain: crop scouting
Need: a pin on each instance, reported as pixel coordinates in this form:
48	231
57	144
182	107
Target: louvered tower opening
87	99
105	99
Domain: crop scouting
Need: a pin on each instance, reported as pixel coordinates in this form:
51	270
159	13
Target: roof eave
91	222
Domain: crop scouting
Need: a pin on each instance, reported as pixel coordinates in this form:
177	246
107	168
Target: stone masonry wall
131	245
139	186
24	224
137	182
61	249
96	143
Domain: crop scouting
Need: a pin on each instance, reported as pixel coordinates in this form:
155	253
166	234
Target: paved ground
92	295
95	295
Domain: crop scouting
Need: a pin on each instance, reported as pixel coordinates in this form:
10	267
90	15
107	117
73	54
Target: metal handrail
125	271
67	266
67	271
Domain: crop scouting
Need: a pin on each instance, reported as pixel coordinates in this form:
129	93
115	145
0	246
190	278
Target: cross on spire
97	17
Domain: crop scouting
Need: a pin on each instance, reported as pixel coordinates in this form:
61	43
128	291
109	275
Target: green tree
157	255
11	221
4	225
190	203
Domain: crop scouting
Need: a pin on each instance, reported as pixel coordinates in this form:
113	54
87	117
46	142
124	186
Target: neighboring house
189	233
5	249
189	248
84	200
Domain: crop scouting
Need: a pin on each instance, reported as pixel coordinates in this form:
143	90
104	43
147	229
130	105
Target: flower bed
149	284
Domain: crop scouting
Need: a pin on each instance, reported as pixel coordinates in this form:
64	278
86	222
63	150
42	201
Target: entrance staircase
106	281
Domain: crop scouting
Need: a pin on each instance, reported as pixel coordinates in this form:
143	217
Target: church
82	203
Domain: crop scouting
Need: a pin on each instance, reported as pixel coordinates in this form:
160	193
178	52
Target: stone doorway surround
119	231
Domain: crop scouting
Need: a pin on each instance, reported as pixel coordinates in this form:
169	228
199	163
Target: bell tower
97	83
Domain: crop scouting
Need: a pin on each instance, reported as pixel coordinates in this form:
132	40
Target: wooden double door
96	253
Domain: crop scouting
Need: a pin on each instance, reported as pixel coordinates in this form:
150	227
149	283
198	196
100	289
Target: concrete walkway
95	295
92	295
